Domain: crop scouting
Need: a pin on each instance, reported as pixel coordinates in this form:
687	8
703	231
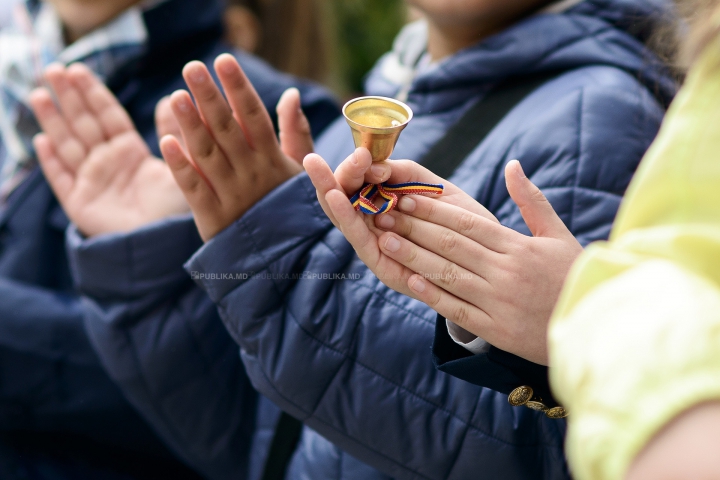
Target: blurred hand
452	254
683	448
98	165
233	157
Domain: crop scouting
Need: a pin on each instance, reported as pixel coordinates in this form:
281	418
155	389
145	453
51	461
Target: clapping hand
98	165
233	156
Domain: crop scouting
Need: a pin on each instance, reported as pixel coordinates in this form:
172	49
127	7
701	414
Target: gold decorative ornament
520	396
537	406
376	123
557	413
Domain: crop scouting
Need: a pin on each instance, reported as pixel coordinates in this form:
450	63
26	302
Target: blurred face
468	12
83	16
456	24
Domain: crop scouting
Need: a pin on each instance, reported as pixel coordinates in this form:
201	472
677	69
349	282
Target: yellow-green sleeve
635	338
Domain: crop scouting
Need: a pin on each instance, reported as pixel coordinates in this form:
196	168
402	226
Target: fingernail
183	104
407	204
392	244
418	285
385	221
353	158
379	170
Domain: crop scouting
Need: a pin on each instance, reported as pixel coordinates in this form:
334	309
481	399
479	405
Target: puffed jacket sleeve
494	368
160	340
323	339
635	338
51	379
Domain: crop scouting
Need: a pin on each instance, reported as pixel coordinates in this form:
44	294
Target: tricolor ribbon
363	200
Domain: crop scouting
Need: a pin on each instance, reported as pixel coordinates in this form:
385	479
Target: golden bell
376	123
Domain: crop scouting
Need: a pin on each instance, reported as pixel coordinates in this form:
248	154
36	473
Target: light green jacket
635	338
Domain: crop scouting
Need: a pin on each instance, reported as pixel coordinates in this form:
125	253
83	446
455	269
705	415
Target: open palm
97	163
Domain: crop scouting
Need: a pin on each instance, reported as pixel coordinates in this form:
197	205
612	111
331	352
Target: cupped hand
452	254
98	165
333	190
233	157
488	279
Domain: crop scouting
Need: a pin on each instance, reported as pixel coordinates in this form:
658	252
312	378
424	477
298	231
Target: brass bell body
376	123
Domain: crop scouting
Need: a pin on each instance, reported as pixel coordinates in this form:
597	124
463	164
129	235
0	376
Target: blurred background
329	41
358	46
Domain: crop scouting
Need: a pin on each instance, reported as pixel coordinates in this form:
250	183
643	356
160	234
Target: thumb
295	135
535	209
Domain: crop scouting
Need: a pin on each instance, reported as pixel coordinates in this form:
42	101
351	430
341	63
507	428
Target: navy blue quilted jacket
61	415
348	356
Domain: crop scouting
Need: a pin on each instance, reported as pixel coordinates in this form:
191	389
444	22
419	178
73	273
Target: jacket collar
597	32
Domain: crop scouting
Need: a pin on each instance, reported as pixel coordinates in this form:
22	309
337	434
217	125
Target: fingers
191	182
448	275
365	243
245	104
295	134
535	209
61	179
215	111
408	171
443	242
199	194
404	171
77	115
352	225
351	173
112	117
422	213
201	146
323	180
165	121
348	178
379	172
68	149
460	312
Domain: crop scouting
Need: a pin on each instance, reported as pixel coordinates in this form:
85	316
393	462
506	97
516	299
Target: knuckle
412	256
538	196
449	276
526	249
208	94
403	226
254	109
206	151
225	126
466	222
447	242
432	210
195	185
434	300
460	315
236	81
406	226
